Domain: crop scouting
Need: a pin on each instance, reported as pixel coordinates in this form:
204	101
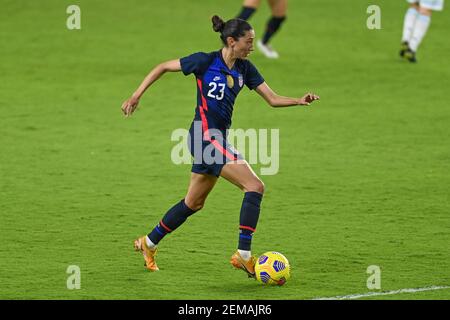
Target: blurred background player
415	26
278	8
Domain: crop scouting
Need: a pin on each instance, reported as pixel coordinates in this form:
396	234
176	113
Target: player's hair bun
234	28
218	23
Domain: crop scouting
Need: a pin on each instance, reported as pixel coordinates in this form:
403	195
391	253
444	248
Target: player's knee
196	204
255	186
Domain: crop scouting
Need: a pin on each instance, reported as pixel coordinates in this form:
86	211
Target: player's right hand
129	106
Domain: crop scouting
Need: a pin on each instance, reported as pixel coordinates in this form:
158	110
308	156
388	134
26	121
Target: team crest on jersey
241	80
230	81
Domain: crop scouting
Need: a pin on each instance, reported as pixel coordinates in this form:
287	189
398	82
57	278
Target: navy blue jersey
218	86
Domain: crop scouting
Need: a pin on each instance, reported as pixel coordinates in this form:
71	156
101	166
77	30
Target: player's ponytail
218	24
234	28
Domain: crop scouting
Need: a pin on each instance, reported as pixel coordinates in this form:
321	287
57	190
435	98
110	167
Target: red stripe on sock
247	228
164	226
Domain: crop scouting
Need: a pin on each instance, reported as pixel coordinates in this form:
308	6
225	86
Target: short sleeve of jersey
196	63
252	77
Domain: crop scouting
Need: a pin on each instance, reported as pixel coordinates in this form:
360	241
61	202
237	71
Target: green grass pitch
364	174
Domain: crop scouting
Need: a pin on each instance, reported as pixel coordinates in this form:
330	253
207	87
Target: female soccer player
220	76
278	8
415	26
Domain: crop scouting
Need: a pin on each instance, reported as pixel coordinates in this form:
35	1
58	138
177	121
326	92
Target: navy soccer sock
246	13
249	219
272	26
171	220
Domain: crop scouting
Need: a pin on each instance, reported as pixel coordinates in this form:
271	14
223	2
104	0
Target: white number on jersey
213	87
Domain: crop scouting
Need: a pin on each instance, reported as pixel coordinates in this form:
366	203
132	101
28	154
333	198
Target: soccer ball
272	268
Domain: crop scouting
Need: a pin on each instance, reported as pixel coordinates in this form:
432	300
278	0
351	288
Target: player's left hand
129	106
308	98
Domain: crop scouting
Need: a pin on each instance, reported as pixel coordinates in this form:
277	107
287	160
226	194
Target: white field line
385	293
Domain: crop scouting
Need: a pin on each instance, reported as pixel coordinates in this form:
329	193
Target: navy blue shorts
210	149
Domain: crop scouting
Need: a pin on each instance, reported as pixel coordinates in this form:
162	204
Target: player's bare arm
131	104
275	100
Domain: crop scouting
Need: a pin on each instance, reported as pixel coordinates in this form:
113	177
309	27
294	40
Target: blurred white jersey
436	5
